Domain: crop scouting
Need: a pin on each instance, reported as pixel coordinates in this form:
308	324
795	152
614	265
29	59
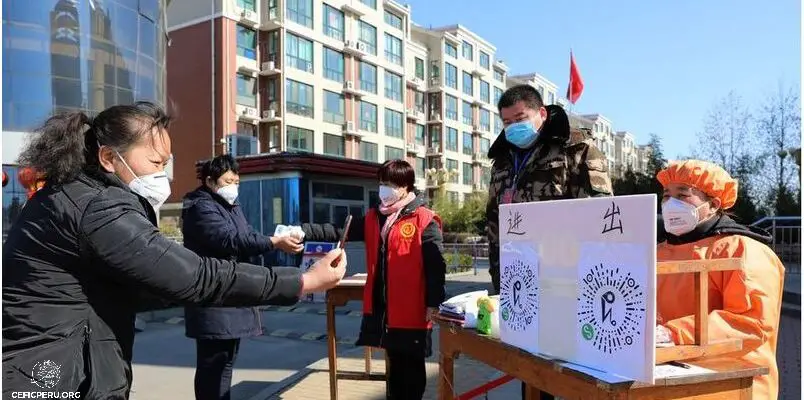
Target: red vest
405	285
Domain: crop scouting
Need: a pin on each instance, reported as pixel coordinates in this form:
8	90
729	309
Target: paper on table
669	370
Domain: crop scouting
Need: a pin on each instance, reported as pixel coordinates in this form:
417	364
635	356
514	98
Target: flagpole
569	84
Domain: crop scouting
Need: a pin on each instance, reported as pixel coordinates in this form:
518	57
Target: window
393	123
420	134
467	113
418	101
247	4
299	98
551	98
451	75
368	77
452	108
394	153
485	174
299	139
333	22
485	60
419	167
451	50
393	86
467	173
246	90
467	50
419	63
246	42
299	53
301	12
485	96
368	36
434	136
334	107
467	143
499	76
334	145
434	70
246	129
467	84
541	90
452	166
484	146
498	124
452	140
393	49
333	65
393	20
497	94
368	117
485	120
368	151
370	3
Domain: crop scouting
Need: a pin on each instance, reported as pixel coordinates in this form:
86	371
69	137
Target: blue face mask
521	134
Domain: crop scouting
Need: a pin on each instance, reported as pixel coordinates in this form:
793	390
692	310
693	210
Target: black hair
524	93
216	167
398	172
69	142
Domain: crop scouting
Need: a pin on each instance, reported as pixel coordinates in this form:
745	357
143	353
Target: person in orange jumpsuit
743	304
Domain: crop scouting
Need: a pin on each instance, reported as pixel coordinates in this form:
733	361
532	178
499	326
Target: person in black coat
406	276
213	225
85	255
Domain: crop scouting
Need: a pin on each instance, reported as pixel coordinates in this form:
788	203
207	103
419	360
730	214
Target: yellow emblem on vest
407	230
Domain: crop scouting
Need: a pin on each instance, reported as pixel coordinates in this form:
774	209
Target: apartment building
546	88
464	82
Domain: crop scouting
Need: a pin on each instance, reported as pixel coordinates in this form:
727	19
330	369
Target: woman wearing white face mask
743	304
213	225
85	255
405	282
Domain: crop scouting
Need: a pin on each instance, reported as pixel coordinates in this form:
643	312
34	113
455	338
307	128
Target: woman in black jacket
405	283
213	225
85	255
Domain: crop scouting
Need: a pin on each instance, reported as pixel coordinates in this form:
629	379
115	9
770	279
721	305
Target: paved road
164	360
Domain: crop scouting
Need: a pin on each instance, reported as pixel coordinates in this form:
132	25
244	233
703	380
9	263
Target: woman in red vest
405	282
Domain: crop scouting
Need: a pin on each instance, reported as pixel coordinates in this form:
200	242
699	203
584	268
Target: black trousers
542	395
214	364
406	377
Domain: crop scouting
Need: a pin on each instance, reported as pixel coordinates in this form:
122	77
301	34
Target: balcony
414	114
247	114
415	149
270	116
477	102
348	129
435	117
247	66
269	68
354	9
272	19
415	82
479	72
480	187
355	48
435	84
350	88
434	151
479	158
248	17
479	129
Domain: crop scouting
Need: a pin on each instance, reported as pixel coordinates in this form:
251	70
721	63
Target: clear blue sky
649	66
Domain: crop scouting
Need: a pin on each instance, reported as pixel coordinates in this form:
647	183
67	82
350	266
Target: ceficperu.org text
45	395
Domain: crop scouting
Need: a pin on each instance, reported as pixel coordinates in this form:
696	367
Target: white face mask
679	217
154	187
229	193
388	195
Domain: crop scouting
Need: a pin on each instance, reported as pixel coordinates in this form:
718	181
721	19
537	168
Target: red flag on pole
575	82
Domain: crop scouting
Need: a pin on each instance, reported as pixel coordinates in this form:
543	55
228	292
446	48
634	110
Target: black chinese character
514	219
614	222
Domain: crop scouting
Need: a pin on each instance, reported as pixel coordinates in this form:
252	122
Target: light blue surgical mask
521	134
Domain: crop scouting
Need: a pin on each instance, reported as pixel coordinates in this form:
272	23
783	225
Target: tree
780	130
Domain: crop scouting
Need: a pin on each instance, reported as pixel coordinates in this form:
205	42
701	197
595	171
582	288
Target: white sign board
578	279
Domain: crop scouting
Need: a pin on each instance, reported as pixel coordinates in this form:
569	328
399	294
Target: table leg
367	356
531	393
332	352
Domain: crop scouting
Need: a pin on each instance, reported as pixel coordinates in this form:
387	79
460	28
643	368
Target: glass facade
67	55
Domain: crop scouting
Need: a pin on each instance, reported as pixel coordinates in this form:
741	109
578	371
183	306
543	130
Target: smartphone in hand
344	235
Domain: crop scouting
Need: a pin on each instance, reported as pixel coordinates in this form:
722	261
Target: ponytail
57	151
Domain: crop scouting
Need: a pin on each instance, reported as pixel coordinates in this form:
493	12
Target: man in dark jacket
213	225
538	157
